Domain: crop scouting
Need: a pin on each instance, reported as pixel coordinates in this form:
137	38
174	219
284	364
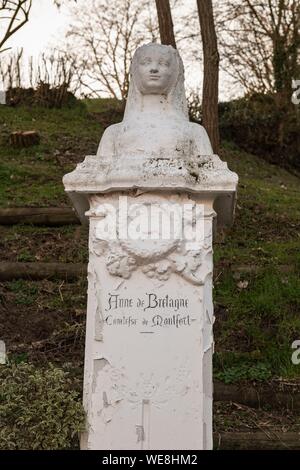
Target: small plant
25	293
24	256
39	408
245	371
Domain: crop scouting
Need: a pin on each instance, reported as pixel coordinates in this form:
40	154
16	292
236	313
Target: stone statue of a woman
155	147
150	197
156	120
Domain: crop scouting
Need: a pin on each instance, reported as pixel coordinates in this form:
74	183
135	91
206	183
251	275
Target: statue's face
155	71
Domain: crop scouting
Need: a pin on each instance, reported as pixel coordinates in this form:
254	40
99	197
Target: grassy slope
32	177
257	314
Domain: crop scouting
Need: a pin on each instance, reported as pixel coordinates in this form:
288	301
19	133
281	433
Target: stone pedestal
149	336
151	209
149	340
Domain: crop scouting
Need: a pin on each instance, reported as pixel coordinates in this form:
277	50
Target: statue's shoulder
107	142
112	130
196	128
201	138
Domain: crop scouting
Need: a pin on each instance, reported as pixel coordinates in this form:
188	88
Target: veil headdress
175	100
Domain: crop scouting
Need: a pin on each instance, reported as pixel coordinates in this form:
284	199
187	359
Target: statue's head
157	69
154	68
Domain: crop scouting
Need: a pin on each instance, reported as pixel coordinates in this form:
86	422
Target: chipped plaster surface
141	368
149	339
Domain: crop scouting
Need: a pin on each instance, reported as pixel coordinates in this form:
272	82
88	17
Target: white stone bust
155	147
155	123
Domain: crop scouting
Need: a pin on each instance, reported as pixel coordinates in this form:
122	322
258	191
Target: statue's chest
158	140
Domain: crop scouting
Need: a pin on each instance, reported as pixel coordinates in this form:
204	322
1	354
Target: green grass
258	312
49	295
32	176
98	105
55	125
25	292
66	244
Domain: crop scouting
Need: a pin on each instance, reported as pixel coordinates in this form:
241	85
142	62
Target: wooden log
255	269
24	138
256	441
257	397
48	216
38	271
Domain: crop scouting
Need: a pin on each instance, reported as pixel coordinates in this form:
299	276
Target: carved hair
175	99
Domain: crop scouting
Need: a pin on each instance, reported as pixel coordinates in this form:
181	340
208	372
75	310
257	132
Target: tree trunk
166	29
21	139
211	72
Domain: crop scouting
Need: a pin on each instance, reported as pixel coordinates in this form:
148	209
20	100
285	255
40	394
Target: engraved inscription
149	312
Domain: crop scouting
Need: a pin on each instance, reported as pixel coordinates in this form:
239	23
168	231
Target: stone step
257	441
38	271
260	395
44	216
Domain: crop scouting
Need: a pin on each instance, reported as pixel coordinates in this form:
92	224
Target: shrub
244	372
260	125
43	95
39	408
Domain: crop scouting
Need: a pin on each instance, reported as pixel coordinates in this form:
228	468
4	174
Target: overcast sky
47	23
46	29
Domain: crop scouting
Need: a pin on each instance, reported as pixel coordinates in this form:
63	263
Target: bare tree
50	77
103	40
10	70
210	54
210	90
13	15
165	21
260	44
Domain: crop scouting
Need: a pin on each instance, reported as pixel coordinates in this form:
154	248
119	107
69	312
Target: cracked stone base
149	343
